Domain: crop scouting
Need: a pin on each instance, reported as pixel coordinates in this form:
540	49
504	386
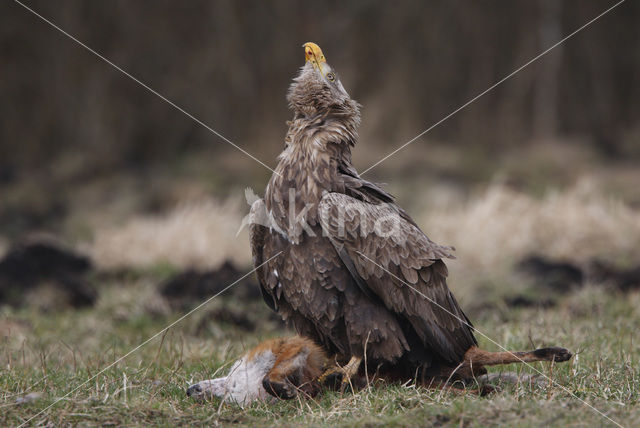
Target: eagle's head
317	88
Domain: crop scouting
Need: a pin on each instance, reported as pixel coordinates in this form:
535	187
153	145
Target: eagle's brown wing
388	254
262	249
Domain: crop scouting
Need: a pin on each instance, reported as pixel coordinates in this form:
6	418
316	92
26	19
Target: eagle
335	255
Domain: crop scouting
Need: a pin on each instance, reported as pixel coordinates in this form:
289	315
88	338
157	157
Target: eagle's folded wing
389	256
260	226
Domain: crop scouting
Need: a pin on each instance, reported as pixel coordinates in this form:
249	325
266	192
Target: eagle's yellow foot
328	372
349	371
342	375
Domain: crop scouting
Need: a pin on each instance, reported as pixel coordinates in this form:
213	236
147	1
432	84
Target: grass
55	353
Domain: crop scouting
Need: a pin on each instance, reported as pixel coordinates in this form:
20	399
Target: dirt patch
557	276
36	265
194	286
561	276
522	301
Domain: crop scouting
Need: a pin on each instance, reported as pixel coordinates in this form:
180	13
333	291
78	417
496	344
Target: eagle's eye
331	76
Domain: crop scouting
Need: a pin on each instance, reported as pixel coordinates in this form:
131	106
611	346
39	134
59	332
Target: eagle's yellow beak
314	55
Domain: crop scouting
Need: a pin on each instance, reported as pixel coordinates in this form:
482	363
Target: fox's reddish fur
299	362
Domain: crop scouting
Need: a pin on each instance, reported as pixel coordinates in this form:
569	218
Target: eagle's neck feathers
319	141
307	168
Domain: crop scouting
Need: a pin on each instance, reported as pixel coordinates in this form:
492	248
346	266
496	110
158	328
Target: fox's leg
478	357
475	360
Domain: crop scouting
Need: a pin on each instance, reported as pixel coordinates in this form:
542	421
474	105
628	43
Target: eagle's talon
351	369
349	372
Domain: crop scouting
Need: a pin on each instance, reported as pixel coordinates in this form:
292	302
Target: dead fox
286	367
279	367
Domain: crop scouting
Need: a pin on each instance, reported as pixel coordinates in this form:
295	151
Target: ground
55	354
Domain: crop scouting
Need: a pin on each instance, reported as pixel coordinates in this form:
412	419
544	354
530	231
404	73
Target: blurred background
543	168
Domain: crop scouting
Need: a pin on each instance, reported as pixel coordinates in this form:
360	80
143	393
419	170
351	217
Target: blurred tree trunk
545	102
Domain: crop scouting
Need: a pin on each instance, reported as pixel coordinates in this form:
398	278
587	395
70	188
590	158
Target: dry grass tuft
500	226
201	234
